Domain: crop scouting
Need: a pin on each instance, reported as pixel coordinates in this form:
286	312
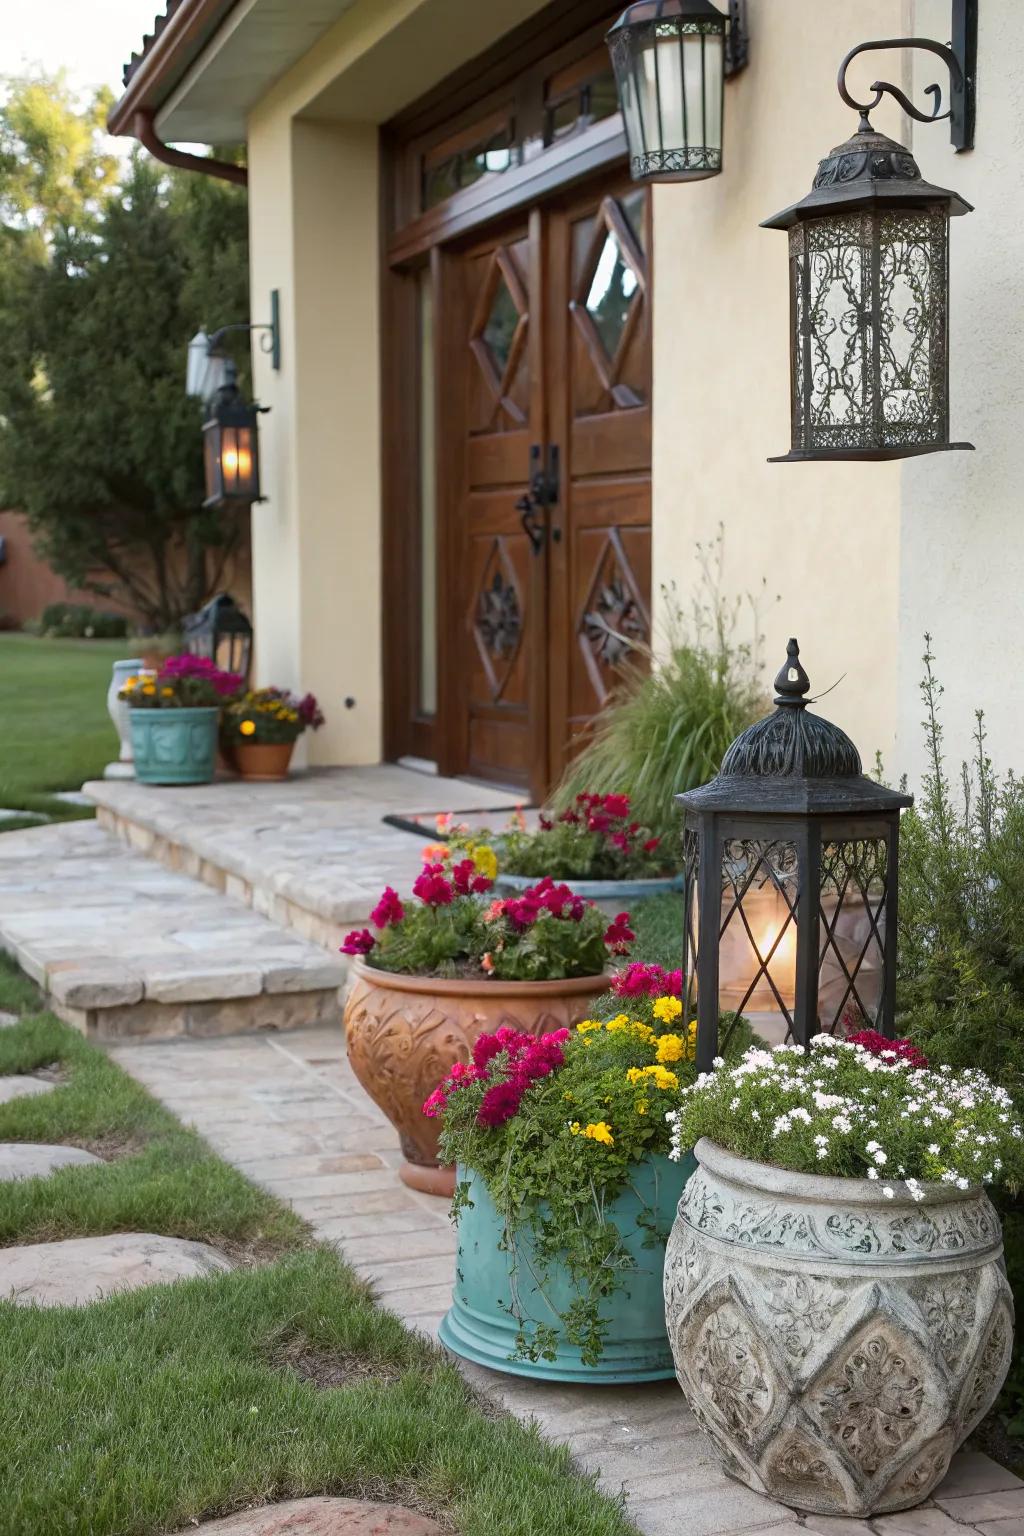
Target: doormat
493	819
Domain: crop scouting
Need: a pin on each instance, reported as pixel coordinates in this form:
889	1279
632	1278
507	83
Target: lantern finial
792	681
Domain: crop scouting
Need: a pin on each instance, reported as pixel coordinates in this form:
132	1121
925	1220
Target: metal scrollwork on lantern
869	287
790	866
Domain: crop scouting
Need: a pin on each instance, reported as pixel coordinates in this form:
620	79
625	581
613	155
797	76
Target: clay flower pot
261	761
405	1033
837	1346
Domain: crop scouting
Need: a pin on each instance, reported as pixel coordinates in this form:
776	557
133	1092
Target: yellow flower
601	1131
168	693
247	727
661	1077
671	1048
149	687
620	1022
568	1097
574	1127
641	1106
667	1009
587	1025
485	861
131	682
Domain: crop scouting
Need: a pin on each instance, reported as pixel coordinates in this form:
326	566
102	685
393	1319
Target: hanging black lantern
231	447
790	869
221	632
869	278
669	58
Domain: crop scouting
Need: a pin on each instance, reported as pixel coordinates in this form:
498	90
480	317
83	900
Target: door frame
511	75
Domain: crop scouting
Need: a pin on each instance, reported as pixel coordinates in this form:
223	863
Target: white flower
934	1149
887	1191
873	1173
963	1183
880	1158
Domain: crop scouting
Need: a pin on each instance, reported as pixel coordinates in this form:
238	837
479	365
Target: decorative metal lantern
669	58
790	869
231	447
221	632
869	277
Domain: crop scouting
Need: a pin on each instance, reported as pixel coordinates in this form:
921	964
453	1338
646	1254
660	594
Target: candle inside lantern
768	936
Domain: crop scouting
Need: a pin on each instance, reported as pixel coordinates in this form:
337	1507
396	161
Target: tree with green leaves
106	270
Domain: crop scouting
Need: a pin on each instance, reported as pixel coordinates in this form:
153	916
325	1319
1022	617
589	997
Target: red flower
545	824
651	844
616	805
504	1039
466	879
432	888
501	1102
619	935
877	1045
639	980
359	942
570	818
388	910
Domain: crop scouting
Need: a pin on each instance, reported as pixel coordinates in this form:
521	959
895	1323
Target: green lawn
173	1404
57	732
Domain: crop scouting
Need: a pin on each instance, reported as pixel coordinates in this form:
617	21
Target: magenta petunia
619	935
432	888
359	942
388	910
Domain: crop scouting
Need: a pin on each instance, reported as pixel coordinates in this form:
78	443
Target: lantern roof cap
870	170
793	762
642	11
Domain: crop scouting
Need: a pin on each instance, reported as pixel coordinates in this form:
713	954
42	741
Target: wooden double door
545	382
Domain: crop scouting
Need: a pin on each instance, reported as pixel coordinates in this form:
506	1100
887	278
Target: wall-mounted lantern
790	870
222	633
671	59
869	280
231	457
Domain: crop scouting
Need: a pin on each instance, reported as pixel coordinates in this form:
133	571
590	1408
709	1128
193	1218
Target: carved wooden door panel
599	395
500	641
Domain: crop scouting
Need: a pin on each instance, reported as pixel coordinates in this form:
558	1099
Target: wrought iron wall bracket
961	60
737	39
270	342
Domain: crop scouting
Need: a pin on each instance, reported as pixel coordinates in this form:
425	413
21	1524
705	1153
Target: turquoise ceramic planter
612	896
479	1325
174	746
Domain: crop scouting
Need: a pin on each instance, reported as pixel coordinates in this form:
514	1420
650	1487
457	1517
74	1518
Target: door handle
542	494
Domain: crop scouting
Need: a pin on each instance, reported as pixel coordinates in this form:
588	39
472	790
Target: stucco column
316	541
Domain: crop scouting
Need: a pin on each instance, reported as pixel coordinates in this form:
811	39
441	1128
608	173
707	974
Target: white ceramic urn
836	1345
118	711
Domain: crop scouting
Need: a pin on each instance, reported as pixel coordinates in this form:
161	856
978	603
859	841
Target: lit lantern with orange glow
231	448
790	865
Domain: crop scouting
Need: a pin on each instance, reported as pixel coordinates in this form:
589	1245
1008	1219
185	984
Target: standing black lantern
231	447
790	866
869	288
669	58
221	632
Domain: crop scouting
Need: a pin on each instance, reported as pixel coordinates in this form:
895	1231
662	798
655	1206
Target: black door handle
542	494
533	528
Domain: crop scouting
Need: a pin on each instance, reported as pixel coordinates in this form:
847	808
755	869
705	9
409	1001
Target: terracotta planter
836	1346
404	1034
261	761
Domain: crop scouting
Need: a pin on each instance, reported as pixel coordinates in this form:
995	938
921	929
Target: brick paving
288	1112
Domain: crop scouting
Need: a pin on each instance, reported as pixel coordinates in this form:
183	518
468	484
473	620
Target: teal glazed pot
174	746
479	1325
611	896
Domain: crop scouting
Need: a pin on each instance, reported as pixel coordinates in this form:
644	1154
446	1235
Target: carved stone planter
837	1346
405	1033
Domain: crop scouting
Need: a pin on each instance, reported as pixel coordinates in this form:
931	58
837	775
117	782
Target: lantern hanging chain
882	87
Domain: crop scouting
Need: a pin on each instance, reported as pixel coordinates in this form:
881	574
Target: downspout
144	130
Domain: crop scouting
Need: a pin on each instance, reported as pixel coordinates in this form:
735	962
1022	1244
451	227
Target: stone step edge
148	1020
323	921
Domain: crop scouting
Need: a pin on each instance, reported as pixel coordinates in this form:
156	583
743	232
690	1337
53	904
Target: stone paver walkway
122	946
288	1112
313	853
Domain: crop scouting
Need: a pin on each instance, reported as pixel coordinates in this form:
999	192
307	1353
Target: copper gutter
165	61
145	132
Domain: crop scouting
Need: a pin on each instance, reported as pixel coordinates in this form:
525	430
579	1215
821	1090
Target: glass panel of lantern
230	448
669	62
221	632
789	860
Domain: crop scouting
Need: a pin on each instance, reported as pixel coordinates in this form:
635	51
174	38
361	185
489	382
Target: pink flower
639	980
876	1044
504	1039
619	935
651	844
388	910
501	1102
466	879
432	888
435	1103
359	942
616	805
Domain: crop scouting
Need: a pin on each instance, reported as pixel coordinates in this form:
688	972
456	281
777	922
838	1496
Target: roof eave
164	63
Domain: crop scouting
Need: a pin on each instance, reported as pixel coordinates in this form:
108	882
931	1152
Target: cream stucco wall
962	553
825	537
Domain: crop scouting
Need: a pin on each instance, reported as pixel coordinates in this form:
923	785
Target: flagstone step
123	948
321	1517
35	1160
313	852
16	1086
84	1269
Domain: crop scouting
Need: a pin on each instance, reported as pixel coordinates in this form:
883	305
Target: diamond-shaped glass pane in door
500	325
614	279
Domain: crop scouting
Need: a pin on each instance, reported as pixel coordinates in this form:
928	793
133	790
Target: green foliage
961	914
79	621
596	838
553	1167
100	291
666	730
844	1110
